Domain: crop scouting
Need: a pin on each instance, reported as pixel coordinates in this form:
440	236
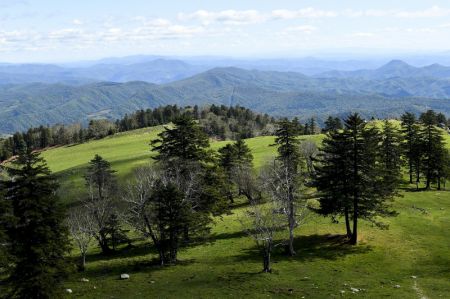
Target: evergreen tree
411	151
391	163
433	147
186	142
351	163
232	158
289	156
101	183
37	233
333	124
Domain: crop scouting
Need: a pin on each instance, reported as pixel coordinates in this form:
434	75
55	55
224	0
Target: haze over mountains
36	94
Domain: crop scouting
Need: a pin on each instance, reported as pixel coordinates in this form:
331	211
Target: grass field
416	244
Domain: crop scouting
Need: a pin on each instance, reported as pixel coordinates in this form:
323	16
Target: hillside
393	69
277	93
416	244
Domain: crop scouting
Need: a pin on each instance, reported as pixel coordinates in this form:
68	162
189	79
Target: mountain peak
396	63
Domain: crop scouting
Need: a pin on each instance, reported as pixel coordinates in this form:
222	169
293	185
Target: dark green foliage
288	144
183	153
185	142
233	159
333	124
102	186
117	235
433	148
353	163
391	153
37	234
411	146
172	214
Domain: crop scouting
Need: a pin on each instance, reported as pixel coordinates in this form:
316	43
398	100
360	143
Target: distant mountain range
394	69
385	91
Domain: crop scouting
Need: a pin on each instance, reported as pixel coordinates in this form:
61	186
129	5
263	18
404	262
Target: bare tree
81	228
286	188
309	151
246	183
262	222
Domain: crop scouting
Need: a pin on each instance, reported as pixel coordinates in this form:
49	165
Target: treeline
219	122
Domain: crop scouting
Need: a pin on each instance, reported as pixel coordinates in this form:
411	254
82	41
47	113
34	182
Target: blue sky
50	30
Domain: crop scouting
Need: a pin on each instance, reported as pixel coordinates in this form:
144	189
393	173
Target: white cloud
432	12
229	17
307	29
77	22
309	12
363	34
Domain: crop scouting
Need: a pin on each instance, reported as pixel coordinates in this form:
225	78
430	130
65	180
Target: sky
65	30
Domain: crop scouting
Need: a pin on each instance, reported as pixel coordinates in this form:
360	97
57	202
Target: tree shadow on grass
309	248
133	266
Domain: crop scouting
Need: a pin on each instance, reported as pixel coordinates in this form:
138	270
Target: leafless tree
309	151
244	178
287	189
141	211
262	222
81	228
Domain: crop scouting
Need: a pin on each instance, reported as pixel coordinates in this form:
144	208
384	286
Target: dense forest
355	174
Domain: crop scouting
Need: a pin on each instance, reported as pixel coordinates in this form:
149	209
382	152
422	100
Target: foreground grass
229	266
416	244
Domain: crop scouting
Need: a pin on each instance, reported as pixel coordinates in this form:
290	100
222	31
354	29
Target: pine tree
290	159
411	132
37	234
101	183
391	163
433	147
351	166
184	143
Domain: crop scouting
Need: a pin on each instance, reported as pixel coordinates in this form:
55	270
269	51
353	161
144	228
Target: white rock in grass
413	277
397	286
124	276
354	290
84	280
69	291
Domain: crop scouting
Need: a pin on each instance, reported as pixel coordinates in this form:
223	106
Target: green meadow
411	259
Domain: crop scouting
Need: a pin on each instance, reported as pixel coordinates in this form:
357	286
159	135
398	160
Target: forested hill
276	93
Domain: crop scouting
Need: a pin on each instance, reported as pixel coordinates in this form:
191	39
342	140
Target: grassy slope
416	244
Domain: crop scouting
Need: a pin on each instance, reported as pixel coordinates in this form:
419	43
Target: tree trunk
291	227
266	261
354	238
82	265
347	223
410	172
186	233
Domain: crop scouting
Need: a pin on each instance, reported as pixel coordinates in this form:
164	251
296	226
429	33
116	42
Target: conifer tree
38	236
391	163
433	147
410	132
290	160
101	183
351	164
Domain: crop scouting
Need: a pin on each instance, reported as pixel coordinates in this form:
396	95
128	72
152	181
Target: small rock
95	287
413	277
354	290
342	292
84	280
124	276
397	286
152	281
69	291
